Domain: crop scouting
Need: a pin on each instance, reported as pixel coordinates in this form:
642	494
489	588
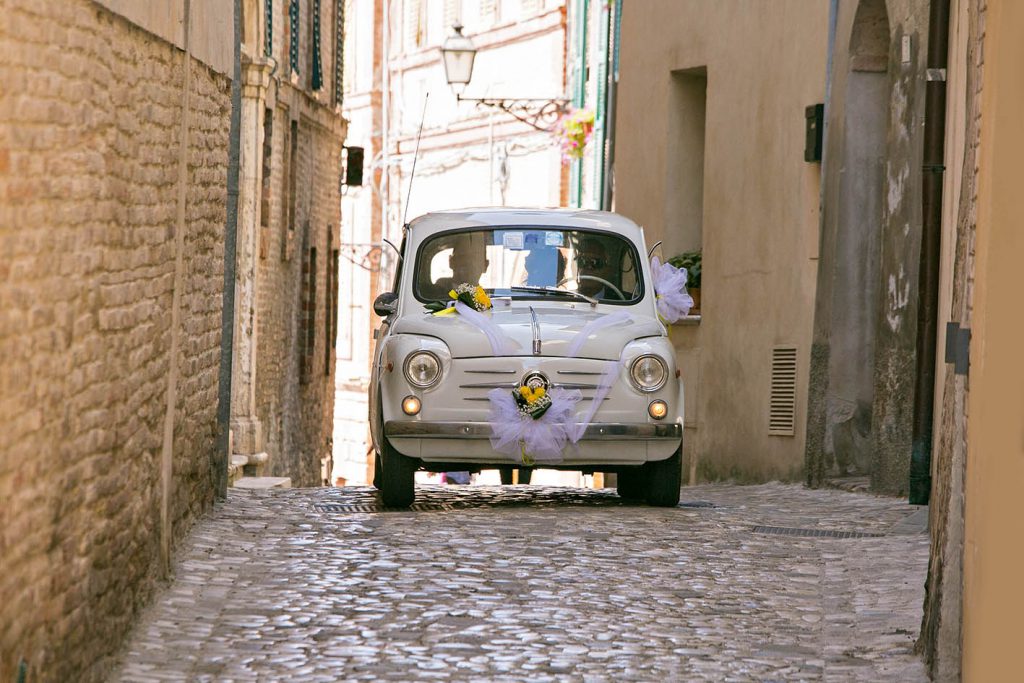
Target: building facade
864	361
468	155
289	232
973	599
709	156
114	139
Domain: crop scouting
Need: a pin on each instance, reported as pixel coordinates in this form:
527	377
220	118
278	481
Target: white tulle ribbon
529	440
673	301
501	345
604	387
611	373
593	327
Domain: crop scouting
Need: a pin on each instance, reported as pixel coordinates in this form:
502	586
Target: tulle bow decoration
673	301
532	440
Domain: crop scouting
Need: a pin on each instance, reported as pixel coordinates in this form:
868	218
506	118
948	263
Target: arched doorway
856	288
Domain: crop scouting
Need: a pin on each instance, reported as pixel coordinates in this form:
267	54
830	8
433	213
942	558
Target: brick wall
90	138
294	386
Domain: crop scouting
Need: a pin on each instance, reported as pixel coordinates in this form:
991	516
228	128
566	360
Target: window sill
693	319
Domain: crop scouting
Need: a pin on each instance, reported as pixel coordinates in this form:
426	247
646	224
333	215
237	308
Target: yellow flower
480	296
453	294
532	395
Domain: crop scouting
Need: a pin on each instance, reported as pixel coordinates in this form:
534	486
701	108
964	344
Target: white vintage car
525	338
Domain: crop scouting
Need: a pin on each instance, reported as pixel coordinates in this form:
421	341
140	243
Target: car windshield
530	263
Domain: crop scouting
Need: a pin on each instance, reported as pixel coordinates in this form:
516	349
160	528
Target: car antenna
415	156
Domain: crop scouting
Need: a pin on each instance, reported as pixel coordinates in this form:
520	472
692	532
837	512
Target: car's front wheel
664	478
377	469
397	478
631	483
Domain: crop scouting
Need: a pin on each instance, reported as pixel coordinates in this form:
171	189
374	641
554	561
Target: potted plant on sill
691	261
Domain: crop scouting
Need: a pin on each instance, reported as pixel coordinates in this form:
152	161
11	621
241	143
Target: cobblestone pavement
539	584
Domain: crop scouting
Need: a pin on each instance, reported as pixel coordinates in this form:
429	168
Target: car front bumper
601	443
481	430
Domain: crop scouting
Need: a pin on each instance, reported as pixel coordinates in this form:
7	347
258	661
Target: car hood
557	327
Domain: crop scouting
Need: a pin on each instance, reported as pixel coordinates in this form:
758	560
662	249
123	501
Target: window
317	67
595	264
288	206
490	12
415	24
293	36
265	190
684	191
268	22
308	315
339	52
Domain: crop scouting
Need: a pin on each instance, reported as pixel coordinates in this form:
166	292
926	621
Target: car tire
664	478
377	469
632	483
398	478
506	472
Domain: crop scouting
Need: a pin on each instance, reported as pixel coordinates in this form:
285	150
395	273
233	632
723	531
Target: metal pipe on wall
931	235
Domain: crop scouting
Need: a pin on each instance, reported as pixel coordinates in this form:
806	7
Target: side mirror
385	304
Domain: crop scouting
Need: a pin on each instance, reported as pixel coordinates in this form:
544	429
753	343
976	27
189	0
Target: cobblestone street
534	583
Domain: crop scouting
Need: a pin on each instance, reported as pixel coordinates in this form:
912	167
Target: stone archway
859	222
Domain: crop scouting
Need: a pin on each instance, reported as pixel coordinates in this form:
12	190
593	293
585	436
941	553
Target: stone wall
296	297
91	140
295	381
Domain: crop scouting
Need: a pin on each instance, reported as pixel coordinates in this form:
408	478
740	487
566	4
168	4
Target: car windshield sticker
512	240
553	238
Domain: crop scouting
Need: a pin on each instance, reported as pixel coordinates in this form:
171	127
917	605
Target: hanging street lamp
459	55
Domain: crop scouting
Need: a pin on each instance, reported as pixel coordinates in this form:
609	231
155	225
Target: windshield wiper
554	290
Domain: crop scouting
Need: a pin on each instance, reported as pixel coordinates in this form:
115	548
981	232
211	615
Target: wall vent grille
782	403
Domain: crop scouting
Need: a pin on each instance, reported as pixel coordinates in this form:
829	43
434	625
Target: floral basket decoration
574	132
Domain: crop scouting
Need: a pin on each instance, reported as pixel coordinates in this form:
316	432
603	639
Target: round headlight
648	373
422	369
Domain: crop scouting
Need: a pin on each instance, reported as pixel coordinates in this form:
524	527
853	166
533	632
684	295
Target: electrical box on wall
815	116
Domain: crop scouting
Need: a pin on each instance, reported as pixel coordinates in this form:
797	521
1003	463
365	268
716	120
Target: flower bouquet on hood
472	296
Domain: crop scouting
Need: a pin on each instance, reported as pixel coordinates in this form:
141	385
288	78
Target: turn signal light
411	405
658	409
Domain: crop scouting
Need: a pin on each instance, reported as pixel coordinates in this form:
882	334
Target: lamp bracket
539	113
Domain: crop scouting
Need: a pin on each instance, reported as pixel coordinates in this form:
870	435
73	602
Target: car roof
437	221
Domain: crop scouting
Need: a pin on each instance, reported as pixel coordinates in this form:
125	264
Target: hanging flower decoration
574	131
673	301
472	296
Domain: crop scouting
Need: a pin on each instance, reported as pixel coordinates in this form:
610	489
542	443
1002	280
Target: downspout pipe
219	466
613	97
931	236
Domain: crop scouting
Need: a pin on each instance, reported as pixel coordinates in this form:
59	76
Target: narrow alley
535	583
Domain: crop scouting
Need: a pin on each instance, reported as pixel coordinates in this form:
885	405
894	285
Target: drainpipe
579	97
931	235
613	85
227	316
